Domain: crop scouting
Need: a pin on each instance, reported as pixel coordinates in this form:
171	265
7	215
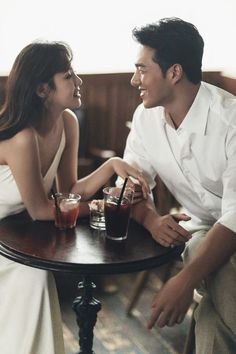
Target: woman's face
66	93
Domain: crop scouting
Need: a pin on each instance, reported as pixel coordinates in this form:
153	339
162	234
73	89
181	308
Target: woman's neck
50	123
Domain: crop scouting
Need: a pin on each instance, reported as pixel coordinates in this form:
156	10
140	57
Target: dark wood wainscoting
109	101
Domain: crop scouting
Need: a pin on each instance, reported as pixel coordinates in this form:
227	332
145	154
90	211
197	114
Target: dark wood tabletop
82	250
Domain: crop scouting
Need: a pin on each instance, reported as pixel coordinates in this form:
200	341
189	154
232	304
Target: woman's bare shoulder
71	124
23	141
24	137
69	117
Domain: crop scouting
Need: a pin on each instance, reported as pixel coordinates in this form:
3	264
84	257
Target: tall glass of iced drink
117	215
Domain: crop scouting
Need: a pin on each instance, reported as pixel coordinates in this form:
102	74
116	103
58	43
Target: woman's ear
42	90
175	73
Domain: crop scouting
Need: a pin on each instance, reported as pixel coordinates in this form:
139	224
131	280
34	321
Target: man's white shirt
197	161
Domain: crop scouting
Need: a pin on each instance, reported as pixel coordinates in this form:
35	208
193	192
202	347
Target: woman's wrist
84	209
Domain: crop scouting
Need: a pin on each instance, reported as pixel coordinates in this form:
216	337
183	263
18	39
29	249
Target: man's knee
213	336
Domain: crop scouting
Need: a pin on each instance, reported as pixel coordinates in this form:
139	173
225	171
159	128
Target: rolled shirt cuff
228	220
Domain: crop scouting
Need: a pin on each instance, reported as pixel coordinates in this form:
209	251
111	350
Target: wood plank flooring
115	332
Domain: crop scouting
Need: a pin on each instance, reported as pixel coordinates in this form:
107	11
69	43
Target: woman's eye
68	75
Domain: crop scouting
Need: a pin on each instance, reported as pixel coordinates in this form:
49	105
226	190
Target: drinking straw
55	201
122	192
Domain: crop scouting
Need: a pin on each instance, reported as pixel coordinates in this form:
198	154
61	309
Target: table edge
87	268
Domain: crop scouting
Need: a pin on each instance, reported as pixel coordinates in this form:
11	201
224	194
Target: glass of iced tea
117	214
66	210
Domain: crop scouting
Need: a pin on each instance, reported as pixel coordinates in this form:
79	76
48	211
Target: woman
39	138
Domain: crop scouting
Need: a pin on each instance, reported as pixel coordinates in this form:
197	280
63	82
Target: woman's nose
77	80
80	80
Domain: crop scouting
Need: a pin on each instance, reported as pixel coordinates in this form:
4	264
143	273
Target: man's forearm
144	213
216	249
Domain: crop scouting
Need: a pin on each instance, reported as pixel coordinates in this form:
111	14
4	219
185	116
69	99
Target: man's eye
142	71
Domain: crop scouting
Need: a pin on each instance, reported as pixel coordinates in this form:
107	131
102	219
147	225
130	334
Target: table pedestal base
86	308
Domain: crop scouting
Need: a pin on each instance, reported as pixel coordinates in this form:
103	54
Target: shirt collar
195	120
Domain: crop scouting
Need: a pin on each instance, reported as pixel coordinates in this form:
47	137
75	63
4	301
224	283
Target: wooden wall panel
109	101
229	84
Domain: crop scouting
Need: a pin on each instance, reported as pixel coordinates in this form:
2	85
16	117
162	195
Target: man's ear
175	73
42	90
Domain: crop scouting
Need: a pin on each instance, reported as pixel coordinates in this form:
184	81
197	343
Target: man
185	131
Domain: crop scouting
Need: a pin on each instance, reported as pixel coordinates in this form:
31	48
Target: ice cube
67	204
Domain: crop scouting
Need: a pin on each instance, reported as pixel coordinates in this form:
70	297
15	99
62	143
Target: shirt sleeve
228	216
135	152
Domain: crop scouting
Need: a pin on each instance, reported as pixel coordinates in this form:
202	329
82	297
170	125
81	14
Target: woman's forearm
83	209
90	184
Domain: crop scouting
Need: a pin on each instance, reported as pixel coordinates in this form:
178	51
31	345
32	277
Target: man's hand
171	303
166	230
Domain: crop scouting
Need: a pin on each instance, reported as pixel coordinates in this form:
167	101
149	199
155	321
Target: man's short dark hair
175	42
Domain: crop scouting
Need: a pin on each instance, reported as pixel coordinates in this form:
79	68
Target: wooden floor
115	332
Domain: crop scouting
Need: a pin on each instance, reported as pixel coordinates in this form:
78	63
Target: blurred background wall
99	31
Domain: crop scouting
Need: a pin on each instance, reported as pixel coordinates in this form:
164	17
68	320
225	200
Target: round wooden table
83	251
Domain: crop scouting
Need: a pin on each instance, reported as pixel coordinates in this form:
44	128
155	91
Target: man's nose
135	80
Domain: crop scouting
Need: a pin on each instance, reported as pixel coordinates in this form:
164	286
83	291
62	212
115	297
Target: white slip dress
30	318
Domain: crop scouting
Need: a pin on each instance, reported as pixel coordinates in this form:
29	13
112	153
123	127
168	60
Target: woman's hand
138	193
124	170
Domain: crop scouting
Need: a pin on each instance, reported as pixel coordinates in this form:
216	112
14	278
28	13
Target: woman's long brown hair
36	64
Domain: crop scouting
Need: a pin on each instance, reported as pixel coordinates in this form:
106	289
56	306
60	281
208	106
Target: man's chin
149	105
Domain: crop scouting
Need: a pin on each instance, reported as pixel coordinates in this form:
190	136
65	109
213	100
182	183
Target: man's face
155	88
